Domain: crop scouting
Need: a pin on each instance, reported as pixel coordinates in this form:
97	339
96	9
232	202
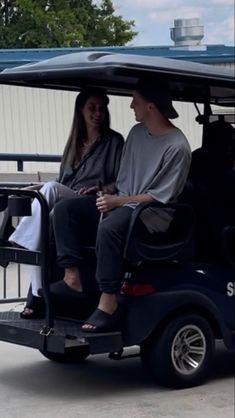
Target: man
154	166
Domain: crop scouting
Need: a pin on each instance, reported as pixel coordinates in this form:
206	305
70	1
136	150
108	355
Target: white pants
28	232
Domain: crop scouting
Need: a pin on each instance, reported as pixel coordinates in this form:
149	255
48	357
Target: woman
91	156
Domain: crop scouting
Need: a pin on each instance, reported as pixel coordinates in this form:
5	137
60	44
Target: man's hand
107	202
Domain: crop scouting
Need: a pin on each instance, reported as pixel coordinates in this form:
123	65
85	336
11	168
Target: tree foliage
61	23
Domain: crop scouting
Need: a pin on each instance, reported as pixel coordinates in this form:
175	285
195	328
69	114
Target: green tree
61	23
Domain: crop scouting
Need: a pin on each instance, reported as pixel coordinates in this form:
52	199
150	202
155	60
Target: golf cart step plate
27	332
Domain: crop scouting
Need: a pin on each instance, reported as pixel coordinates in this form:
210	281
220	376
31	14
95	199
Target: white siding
122	116
39	121
186	121
34	121
228	65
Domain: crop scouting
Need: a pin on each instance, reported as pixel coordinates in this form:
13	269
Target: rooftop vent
187	32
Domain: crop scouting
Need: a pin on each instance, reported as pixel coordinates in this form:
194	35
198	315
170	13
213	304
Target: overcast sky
154	18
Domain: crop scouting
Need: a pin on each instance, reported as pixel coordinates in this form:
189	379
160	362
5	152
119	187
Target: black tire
170	357
71	355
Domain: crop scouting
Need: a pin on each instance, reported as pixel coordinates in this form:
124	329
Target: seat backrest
217	152
229	243
167	245
213	180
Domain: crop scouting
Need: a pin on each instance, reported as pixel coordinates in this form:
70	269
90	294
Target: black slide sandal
37	308
103	322
62	290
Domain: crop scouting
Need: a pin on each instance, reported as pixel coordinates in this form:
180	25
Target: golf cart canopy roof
119	73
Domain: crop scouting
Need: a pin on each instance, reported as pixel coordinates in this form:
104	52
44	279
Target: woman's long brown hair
78	133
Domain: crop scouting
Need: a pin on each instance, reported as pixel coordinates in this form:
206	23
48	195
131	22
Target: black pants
111	238
75	223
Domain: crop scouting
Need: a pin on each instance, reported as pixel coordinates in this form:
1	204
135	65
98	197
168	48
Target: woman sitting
92	155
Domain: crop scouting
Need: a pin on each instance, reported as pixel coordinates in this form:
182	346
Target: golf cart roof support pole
207	112
45	266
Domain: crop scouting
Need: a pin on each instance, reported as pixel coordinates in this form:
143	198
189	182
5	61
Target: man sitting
154	167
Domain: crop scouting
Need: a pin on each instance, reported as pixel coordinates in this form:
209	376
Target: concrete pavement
34	387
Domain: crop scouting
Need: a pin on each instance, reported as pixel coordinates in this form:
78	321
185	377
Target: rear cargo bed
65	333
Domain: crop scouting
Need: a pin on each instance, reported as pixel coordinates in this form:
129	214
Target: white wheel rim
188	349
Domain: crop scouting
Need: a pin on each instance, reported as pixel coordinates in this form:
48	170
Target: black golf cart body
176	301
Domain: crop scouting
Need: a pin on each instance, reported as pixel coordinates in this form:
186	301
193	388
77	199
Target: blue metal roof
209	54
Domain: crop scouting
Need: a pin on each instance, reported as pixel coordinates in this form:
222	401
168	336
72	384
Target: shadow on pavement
224	363
95	377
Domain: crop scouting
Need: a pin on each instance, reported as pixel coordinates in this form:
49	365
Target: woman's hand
107	202
35	187
88	190
109	189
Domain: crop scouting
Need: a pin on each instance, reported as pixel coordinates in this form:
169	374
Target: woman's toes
28	311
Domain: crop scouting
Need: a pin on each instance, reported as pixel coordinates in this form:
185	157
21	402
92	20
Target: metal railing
11	279
21	158
20	293
20	288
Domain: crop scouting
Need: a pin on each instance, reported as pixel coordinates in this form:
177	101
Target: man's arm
108	202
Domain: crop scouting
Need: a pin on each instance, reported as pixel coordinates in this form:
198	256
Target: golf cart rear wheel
181	356
71	355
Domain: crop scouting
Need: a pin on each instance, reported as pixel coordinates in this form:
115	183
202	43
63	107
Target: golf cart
178	288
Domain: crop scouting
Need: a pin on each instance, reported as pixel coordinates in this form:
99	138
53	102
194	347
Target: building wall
38	121
228	65
33	121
